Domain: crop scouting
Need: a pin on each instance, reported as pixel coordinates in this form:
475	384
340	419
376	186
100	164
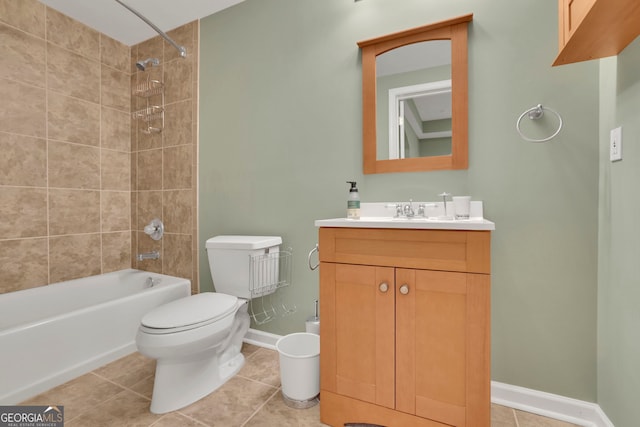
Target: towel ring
535	113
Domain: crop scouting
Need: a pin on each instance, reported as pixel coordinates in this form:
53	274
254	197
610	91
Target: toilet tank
230	261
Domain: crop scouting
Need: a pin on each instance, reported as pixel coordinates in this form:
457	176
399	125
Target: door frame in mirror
396	125
454	29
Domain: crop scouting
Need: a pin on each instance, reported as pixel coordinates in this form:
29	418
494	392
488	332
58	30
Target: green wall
280	133
619	241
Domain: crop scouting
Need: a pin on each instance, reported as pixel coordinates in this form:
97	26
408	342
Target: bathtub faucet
149	255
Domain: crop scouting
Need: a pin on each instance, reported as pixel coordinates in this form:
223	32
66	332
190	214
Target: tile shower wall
64	160
68	175
164	167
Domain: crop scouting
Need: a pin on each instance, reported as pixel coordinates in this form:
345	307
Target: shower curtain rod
181	49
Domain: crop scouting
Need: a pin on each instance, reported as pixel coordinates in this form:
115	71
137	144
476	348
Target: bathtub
54	333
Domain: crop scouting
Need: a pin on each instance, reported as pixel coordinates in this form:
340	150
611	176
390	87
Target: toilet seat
189	313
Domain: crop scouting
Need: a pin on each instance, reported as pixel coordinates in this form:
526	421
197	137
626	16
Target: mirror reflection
413	114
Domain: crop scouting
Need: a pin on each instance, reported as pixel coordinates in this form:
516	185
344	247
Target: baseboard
549	405
538	402
261	338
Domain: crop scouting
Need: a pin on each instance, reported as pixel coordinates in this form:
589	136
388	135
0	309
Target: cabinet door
571	14
441	349
357	340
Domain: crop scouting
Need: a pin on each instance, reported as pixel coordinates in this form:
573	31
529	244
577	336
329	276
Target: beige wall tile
73	120
73	35
147	141
23	264
22	56
116	211
150	170
73	166
23	161
176	255
178	124
116	251
22	109
28	15
176	167
115	90
134	209
74	256
72	74
74	212
149	207
178	75
91	205
134	248
178	170
133	126
115	54
115	130
183	36
177	211
116	170
134	173
23	212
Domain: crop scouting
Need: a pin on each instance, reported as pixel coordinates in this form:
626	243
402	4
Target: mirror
413	103
414	94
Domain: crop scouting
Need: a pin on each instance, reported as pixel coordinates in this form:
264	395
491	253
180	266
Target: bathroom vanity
405	309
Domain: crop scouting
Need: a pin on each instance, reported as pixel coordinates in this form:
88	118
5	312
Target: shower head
142	65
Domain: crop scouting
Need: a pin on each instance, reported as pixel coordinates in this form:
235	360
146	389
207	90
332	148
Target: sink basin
405	219
430	218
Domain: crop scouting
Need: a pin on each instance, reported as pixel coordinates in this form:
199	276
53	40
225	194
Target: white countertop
373	216
377	222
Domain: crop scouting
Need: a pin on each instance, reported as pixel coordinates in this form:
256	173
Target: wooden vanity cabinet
405	336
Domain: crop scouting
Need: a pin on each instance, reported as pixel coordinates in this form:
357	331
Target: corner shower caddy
152	114
268	274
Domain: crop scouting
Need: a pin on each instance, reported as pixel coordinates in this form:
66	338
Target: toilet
196	340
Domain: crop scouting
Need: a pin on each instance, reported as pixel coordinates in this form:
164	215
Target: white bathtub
52	334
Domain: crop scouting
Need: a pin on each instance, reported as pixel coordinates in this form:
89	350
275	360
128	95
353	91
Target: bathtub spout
149	255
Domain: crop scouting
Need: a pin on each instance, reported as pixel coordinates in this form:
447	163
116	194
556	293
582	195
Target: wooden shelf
593	29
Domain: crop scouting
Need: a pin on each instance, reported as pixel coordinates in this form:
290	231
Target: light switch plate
615	144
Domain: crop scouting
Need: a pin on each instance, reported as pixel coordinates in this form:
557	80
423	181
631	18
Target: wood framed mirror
416	141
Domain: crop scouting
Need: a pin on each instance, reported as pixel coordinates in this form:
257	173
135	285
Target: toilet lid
199	308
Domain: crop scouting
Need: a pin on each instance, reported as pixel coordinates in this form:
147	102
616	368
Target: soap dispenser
353	202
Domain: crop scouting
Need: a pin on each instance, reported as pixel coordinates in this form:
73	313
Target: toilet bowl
197	340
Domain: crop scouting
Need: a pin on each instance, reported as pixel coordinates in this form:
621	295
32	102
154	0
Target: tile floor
119	394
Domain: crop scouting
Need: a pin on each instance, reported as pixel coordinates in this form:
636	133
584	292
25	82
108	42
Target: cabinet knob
404	289
384	287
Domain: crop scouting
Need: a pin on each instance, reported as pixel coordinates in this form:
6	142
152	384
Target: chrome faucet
408	209
149	255
397	207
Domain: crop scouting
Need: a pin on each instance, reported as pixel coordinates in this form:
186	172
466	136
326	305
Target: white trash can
300	368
